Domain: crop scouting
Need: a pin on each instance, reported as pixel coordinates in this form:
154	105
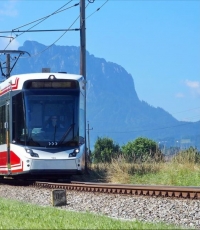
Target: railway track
142	206
191	192
126	189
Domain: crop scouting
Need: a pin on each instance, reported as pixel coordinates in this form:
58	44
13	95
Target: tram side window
82	119
18	118
2	121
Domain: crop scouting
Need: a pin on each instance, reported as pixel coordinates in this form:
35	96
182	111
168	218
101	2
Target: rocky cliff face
113	107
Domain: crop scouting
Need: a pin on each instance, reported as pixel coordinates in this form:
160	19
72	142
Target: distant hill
113	107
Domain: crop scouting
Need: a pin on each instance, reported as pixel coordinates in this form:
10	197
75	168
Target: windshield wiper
65	134
54	135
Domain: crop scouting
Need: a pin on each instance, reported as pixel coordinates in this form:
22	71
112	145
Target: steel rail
191	192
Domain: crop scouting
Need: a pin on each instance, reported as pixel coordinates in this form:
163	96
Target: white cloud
12	44
8	8
194	86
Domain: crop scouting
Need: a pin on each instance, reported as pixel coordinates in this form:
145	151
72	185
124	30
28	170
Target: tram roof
46	75
17	81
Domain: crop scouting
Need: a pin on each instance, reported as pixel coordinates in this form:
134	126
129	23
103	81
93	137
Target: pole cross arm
8	53
14	52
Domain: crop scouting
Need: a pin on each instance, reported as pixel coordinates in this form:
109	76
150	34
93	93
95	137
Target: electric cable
148	130
57	38
40	21
187	110
70	27
56	12
44	18
97	9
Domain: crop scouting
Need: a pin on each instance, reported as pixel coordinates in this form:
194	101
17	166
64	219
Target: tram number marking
52	143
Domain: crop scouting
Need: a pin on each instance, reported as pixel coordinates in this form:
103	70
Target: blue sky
157	42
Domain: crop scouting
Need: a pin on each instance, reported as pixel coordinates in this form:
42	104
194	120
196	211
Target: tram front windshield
51	118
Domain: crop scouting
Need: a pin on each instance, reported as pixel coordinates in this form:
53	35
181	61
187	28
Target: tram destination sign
56	84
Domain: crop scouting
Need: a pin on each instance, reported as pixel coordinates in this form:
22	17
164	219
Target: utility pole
82	40
83	64
7	65
9	68
88	131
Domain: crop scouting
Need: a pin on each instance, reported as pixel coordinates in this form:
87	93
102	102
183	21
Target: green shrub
104	150
141	150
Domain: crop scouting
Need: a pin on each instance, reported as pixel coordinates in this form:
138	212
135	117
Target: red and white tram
42	125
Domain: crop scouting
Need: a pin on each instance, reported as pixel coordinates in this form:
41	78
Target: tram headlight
32	154
52	77
74	153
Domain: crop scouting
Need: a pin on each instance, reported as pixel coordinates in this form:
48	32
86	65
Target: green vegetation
18	215
142	149
142	162
138	162
105	150
154	173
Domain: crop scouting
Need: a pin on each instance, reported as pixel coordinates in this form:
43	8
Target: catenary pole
82	40
83	63
88	132
7	65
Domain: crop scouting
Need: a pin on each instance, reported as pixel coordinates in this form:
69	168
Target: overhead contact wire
59	37
97	9
41	20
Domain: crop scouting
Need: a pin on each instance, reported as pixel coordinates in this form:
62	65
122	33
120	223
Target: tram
42	126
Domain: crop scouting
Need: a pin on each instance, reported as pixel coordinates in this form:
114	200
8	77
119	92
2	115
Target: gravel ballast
182	212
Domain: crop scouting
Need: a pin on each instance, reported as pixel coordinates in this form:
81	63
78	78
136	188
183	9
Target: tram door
4	139
7	130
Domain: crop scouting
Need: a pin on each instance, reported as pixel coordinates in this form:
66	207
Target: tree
141	149
104	150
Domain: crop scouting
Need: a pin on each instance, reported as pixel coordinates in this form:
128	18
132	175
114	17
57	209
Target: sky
157	42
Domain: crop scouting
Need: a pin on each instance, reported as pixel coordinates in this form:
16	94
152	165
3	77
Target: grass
182	170
19	215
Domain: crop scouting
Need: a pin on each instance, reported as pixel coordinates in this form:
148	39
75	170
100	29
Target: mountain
113	107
